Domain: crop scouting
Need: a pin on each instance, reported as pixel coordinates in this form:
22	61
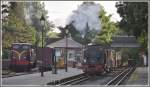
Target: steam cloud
88	12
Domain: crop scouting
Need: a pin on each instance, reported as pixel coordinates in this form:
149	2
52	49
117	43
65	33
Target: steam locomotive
98	59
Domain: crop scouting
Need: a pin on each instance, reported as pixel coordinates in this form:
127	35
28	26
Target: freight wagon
45	58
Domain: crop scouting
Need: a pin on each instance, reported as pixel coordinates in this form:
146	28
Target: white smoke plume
28	10
88	12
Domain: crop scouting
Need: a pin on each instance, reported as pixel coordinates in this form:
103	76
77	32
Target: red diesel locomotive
21	56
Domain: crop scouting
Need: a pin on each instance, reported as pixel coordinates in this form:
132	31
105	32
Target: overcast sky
58	11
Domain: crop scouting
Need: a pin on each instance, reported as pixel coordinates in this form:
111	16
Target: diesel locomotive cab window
25	47
15	46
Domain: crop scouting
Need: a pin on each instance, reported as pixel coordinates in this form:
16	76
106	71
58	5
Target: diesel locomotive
21	57
24	58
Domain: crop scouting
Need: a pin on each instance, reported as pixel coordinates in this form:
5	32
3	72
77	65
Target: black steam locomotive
98	59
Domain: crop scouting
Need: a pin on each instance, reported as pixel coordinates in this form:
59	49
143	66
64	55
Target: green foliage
52	35
130	53
134	21
104	36
124	54
37	10
6	54
143	39
23	24
72	31
15	30
76	34
108	29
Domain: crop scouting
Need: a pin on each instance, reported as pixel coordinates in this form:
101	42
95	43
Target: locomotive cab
93	60
99	59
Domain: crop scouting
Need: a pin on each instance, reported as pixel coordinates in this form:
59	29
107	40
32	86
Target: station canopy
125	41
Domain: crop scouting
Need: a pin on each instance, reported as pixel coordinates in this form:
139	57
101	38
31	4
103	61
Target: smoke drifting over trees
86	14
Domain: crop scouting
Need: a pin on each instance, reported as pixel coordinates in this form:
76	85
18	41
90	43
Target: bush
6	53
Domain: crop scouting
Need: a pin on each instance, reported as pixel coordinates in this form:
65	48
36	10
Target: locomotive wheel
107	69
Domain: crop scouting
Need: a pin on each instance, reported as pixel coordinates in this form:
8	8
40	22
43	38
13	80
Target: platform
36	79
138	77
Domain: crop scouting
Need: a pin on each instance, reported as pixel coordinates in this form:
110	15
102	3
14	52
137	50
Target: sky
59	11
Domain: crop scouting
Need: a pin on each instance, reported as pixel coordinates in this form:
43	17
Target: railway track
71	80
121	76
75	80
17	74
12	74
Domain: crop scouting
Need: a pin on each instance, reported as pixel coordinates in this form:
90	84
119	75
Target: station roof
62	43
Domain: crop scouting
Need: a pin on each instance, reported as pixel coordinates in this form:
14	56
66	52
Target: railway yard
83	44
121	76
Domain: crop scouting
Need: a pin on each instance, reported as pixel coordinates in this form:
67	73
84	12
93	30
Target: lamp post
66	32
83	49
42	19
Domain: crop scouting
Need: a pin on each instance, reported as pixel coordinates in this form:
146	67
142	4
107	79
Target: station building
74	51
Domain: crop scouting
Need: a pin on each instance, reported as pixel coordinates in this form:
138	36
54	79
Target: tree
52	35
76	34
134	21
5	11
36	9
108	29
16	30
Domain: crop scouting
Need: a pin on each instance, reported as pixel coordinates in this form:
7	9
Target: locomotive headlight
84	60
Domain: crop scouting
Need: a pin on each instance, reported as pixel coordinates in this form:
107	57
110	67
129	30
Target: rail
121	76
70	80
